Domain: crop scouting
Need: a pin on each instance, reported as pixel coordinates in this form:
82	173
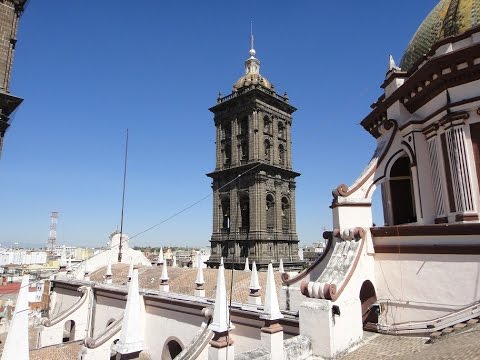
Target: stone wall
9	15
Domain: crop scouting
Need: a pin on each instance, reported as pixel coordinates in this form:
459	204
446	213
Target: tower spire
251	39
252	64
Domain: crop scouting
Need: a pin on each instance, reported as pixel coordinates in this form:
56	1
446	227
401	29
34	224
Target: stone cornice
427	230
435	76
278	102
259	166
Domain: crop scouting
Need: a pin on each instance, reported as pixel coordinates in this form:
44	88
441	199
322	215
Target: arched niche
400	196
368	298
173	346
69	331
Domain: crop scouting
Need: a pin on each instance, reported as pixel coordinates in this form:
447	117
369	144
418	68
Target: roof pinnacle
199	280
16	344
271	309
108	272
130	270
160	258
164	275
254	284
86	268
220	322
63	257
131	336
392	66
247	265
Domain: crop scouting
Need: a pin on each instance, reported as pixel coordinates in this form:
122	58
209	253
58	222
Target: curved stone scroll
67	312
287	280
379	154
200	340
106	335
325	287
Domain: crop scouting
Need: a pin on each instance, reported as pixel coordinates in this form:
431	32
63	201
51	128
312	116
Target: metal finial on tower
252	50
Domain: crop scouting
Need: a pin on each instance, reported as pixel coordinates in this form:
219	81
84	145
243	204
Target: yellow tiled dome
448	18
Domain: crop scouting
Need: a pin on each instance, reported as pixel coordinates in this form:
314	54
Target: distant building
22	257
313	252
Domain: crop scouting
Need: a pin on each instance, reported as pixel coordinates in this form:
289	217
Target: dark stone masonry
253	181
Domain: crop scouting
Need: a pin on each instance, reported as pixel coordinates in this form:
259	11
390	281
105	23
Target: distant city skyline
90	70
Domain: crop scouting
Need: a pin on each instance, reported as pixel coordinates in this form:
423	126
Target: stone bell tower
253	181
10	11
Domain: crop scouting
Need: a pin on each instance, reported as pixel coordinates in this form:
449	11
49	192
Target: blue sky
90	69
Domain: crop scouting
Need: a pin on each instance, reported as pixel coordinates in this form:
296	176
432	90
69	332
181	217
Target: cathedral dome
448	18
252	79
252	72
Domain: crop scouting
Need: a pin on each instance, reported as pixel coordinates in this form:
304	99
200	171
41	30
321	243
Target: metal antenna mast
52	235
123	200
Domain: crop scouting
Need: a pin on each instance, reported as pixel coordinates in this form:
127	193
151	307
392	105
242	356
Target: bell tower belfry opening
253	181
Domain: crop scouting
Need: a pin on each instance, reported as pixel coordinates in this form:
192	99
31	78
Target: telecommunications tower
52	235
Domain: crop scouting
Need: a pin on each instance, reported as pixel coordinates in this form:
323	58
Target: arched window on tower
245	213
244	152
227	131
227	144
267	125
270	208
281	154
267	150
401	193
244	126
227	154
281	130
226	214
285	214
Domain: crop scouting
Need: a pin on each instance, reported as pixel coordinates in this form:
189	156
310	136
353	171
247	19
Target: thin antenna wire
123	199
195	203
154	226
